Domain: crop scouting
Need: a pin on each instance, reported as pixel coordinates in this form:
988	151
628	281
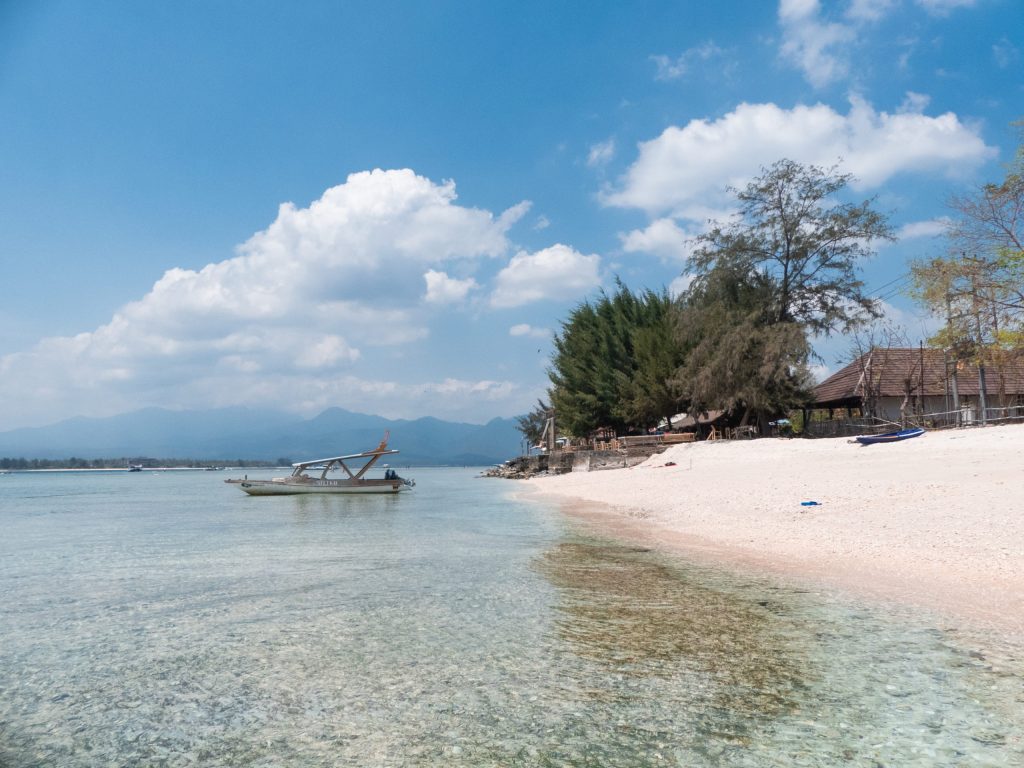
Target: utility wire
892	288
894	292
882	287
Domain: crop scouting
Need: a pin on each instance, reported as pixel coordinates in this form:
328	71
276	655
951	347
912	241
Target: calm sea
167	619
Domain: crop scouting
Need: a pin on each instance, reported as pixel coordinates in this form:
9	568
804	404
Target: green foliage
784	268
979	286
650	393
612	364
532	424
803	246
741	358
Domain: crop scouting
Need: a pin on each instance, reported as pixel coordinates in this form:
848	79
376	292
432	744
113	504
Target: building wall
889	407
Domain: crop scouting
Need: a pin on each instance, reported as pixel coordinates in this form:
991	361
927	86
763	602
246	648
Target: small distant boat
134	467
355	482
891	437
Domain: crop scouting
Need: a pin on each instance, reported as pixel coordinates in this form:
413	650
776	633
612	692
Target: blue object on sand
809	503
890	437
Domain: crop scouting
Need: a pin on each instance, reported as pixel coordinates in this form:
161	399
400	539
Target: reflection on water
178	623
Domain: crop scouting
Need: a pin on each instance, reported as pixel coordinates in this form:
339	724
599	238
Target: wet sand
935	522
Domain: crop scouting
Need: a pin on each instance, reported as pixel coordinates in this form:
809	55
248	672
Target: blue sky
390	206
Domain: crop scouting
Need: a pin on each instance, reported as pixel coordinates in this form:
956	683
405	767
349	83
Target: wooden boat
355	482
891	437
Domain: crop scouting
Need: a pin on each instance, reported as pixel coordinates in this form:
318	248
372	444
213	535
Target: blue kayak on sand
891	437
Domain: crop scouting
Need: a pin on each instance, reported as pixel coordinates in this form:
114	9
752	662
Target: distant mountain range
239	433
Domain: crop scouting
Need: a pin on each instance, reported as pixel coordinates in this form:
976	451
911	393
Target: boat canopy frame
300	467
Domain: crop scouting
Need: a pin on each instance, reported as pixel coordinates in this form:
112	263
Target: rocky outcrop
560	462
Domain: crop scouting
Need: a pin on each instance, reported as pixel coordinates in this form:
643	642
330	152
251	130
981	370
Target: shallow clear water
166	619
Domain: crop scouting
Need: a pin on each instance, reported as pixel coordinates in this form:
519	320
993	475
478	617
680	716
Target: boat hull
357	481
890	437
285	488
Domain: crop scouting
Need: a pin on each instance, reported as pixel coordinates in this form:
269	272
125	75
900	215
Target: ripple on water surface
185	624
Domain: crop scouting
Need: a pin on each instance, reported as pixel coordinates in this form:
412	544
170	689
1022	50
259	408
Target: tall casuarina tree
798	237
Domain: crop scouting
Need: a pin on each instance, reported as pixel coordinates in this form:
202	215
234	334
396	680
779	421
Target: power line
895	287
882	287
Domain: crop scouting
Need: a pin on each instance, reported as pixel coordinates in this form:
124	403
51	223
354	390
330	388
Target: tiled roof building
918	379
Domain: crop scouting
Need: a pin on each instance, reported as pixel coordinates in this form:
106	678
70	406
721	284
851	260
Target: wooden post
982	399
921	391
945	383
954	391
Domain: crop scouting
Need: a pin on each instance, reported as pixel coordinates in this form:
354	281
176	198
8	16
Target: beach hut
700	425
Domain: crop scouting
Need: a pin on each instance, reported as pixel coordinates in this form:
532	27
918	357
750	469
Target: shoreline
935	523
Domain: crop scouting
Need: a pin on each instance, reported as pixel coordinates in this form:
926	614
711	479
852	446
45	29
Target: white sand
936	522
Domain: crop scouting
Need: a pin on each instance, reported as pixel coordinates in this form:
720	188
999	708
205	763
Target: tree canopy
978	286
613	363
741	358
990	222
802	242
783	269
738	339
532	424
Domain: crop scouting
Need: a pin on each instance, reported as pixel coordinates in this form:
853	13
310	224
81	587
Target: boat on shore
891	437
356	480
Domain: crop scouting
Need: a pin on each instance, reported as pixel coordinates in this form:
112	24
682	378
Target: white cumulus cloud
821	47
687	168
680	284
442	289
278	322
813	45
451	390
920	229
663	238
525	329
325	352
556	272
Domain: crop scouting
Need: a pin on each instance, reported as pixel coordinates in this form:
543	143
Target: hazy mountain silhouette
228	434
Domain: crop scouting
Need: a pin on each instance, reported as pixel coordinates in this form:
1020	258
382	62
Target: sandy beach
935	522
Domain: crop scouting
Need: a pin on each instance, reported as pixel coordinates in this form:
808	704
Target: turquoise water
166	619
